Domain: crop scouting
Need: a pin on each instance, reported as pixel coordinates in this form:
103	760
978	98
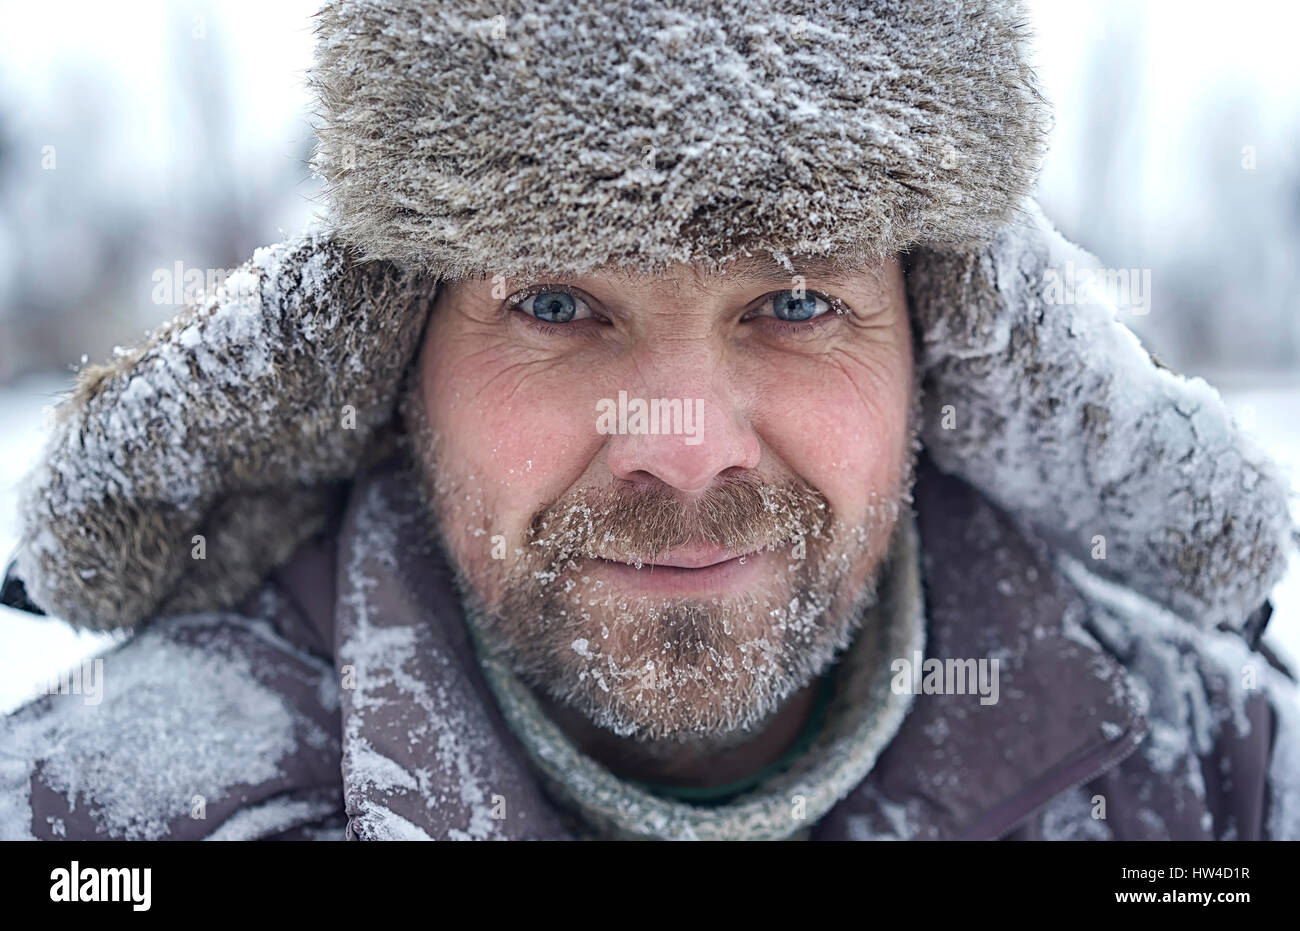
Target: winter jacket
343	699
231	493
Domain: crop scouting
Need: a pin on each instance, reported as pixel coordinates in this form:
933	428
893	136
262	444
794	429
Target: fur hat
461	137
465	137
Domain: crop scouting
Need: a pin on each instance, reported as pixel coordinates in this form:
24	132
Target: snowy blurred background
140	135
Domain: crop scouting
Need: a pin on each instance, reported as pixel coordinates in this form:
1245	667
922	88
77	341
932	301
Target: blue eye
555	306
788	306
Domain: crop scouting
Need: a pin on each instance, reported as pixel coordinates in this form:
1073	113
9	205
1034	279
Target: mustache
630	523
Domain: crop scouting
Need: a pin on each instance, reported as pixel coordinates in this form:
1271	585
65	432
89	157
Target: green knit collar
717	795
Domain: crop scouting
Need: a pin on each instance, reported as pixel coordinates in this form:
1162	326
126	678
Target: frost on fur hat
1057	414
232	428
461	136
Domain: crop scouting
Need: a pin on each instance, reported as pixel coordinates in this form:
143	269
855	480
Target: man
673	433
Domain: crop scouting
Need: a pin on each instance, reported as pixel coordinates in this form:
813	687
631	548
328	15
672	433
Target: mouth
688	570
689	557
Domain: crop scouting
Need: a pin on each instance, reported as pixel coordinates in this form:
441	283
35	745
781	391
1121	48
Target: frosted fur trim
234	422
452	130
1057	413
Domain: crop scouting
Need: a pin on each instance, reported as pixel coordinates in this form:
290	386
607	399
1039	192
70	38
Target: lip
690	557
687	571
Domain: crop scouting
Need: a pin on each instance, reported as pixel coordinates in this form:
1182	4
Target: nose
681	423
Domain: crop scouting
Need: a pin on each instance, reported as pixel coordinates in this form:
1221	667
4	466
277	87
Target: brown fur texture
236	422
684	131
1057	413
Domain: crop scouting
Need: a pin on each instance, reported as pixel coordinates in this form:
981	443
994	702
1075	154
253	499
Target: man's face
667	497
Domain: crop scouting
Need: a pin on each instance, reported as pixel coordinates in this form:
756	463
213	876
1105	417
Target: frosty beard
680	670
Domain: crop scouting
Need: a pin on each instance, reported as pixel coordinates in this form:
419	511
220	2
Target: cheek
517	434
840	421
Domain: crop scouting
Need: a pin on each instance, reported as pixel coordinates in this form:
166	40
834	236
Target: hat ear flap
180	473
1039	396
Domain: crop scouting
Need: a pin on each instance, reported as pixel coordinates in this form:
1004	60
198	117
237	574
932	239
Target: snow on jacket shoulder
210	725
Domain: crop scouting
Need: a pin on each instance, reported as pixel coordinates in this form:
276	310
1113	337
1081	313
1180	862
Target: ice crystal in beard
637	525
679	668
